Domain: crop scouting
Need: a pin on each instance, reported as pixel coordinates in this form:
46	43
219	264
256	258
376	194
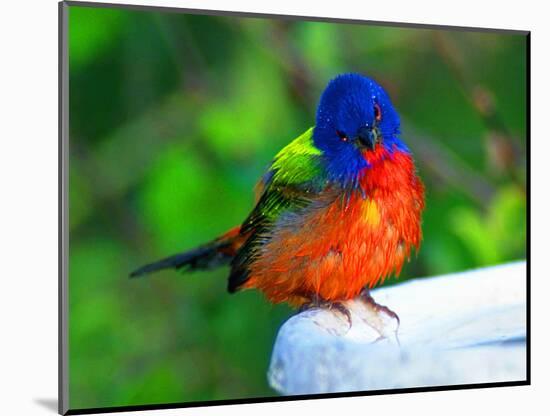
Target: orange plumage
347	246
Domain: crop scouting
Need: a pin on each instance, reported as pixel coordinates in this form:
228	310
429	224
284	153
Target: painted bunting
338	210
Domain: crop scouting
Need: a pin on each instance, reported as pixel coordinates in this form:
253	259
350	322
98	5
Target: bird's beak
367	137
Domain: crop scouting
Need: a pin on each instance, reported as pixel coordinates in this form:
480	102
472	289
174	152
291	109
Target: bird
338	210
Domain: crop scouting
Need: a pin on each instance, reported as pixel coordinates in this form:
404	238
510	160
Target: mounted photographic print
264	208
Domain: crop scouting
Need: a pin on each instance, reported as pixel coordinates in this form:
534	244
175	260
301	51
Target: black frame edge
294	398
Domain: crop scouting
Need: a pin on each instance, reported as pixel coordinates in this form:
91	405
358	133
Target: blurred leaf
91	32
238	125
80	198
321	47
498	235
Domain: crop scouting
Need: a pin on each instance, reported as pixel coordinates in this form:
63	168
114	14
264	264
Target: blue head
355	116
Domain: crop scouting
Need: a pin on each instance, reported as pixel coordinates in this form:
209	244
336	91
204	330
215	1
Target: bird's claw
378	322
325	304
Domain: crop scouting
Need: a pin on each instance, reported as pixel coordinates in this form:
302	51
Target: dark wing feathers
271	206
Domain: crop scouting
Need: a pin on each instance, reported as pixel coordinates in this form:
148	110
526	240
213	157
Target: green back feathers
298	162
295	172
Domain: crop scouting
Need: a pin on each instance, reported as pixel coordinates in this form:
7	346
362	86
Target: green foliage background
173	118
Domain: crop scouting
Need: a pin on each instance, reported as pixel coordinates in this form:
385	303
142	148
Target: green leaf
91	32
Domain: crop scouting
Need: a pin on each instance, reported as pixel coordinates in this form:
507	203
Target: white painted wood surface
461	328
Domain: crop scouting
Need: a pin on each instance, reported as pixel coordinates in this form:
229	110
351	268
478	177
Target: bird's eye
343	136
377	112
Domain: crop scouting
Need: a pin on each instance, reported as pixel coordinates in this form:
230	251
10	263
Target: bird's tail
213	254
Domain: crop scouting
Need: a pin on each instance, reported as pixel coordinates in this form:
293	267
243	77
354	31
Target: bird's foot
381	318
368	299
316	302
